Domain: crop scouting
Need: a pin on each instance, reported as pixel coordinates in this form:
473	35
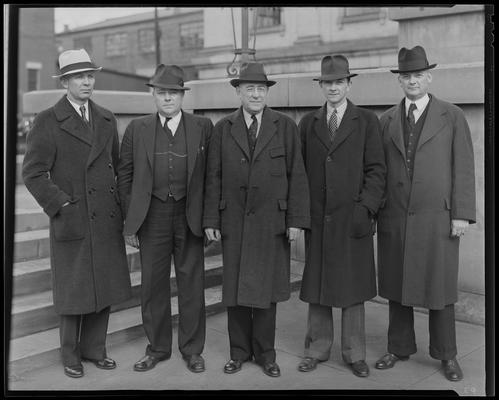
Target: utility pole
157	35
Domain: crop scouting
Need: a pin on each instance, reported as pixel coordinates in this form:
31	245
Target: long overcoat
64	164
347	180
417	257
135	170
253	201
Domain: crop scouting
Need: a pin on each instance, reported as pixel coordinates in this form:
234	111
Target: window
83	43
33	71
191	34
268	17
147	41
353	14
116	44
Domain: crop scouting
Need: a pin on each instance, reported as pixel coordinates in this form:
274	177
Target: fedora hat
413	60
252	72
168	77
334	67
74	61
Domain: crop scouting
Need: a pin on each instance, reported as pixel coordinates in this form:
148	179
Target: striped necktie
83	112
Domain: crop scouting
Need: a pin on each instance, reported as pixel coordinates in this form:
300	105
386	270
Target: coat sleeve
125	169
298	213
373	188
463	203
37	164
213	180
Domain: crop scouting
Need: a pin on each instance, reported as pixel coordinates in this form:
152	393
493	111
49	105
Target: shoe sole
272	376
74	376
233	371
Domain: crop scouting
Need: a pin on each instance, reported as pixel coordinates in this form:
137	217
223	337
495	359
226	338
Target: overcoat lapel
193	138
148	135
71	122
267	130
396	130
103	132
239	132
346	127
320	126
434	122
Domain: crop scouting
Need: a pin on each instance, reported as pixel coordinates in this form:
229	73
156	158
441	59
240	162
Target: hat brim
76	71
236	82
401	71
166	86
333	77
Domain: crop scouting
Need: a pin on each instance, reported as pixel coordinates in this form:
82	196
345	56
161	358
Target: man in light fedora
430	201
256	202
69	167
161	184
344	159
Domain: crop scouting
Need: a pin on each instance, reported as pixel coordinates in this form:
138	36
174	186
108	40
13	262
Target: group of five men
254	181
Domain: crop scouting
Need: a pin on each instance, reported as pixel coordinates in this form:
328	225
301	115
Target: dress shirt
420	104
248	120
340	112
173	123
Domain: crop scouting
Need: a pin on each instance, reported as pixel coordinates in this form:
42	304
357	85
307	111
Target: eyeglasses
259	89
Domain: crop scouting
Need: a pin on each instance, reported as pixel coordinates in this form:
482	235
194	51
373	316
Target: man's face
415	84
335	91
168	101
253	96
79	86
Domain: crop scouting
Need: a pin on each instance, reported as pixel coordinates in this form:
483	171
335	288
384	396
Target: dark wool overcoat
135	171
65	163
253	201
417	257
347	180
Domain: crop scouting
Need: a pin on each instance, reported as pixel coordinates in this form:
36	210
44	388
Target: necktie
333	123
410	115
165	126
83	112
252	133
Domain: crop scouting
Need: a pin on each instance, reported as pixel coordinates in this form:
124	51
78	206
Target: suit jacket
64	164
135	169
418	260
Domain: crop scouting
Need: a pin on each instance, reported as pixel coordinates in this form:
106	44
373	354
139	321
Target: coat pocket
362	225
278	161
281	216
68	223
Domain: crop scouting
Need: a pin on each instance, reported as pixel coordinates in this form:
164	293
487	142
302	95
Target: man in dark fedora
161	184
430	201
69	167
256	202
344	159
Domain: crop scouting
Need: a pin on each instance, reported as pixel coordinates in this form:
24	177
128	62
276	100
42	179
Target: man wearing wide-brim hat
161	185
256	202
344	160
69	167
430	201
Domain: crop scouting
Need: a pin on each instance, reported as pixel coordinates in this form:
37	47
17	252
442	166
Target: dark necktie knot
410	115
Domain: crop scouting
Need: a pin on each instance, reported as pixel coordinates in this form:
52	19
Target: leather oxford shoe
74	371
146	363
360	368
271	369
452	370
233	366
308	364
195	363
105	363
389	360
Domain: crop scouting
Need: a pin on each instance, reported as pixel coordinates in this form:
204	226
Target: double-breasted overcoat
347	180
417	257
253	200
65	163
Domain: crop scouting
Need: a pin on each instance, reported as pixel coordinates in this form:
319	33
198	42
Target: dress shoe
308	364
146	363
389	360
452	370
360	368
195	363
75	371
233	366
105	363
271	369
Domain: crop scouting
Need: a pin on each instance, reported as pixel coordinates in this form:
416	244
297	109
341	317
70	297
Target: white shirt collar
77	106
173	123
420	103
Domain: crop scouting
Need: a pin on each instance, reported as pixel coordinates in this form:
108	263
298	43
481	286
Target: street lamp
157	36
245	52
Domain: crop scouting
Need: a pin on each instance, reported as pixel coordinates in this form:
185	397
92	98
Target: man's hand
458	227
293	233
213	234
132	240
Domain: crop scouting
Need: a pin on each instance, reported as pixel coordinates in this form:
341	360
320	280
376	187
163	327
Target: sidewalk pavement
420	372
